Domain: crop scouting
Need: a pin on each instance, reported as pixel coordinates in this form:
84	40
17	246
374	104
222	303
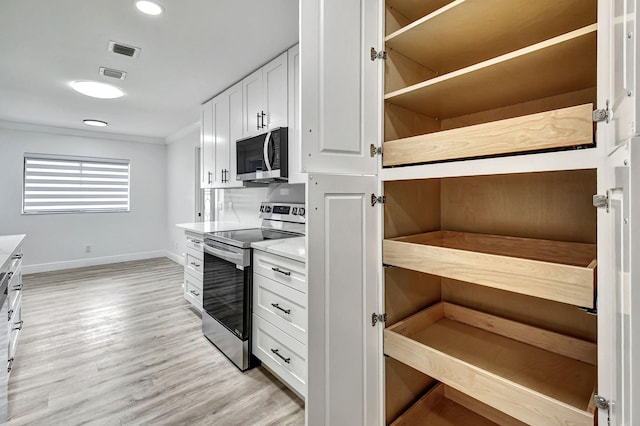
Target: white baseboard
80	263
175	257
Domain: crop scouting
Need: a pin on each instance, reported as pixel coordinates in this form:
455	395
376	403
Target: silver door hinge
376	318
381	199
601	201
373	150
378	55
603	404
602	114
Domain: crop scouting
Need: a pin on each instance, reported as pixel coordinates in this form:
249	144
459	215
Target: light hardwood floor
117	344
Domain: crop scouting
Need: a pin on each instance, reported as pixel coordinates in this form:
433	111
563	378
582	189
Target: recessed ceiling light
96	123
96	89
149	7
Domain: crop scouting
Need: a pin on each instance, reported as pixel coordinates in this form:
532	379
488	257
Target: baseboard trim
175	257
80	263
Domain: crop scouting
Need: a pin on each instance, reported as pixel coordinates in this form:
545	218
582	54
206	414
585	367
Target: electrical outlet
87	248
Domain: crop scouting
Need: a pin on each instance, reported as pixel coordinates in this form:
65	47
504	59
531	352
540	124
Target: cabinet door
252	100
207	146
295	150
340	85
617	65
619	288
221	139
345	350
234	95
274	92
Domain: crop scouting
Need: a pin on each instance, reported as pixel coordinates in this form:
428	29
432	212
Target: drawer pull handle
196	242
277	306
17	256
19	325
195	293
9	365
197	265
287	273
9	275
287	360
9	314
17	287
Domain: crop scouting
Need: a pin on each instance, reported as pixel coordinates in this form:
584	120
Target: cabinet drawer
194	243
282	306
193	276
193	292
283	354
14	288
193	263
197	254
281	269
15	328
16	263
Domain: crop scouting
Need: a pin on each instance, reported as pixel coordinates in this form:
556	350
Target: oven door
227	287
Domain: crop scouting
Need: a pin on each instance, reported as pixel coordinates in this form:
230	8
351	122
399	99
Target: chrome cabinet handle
258	121
9	275
196	242
17	287
17	256
195	293
197	265
262	114
277	306
287	360
9	365
19	327
210	177
9	314
280	271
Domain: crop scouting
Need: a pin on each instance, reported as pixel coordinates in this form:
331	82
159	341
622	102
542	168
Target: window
67	184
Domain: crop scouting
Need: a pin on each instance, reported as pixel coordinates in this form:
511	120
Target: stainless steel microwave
264	157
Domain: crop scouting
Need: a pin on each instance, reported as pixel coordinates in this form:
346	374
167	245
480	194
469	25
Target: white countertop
293	248
205	227
8	244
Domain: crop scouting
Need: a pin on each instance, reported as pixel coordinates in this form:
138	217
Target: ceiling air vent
123	49
109	72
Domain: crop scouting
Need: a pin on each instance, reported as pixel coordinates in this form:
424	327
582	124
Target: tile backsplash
243	204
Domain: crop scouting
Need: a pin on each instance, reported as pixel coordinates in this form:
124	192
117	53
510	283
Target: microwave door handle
265	150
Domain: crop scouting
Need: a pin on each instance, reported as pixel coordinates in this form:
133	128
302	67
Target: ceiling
193	51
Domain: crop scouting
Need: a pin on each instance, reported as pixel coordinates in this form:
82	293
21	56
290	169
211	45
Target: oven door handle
223	254
265	151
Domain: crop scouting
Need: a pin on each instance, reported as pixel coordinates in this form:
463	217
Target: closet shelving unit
486	272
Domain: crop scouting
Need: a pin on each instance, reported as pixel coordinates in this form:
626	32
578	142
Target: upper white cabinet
296	174
265	97
221	127
339	86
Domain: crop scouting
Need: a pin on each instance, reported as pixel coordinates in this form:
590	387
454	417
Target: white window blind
65	184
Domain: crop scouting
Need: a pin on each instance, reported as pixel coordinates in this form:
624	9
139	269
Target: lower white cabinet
280	318
193	270
14	298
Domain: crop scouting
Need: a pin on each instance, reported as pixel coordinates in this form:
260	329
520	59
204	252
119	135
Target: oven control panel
288	212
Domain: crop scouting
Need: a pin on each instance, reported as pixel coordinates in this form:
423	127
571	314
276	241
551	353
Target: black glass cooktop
244	237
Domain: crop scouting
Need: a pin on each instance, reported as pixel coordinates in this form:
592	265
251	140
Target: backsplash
243	204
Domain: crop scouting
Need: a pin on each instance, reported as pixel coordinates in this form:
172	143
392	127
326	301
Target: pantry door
344	347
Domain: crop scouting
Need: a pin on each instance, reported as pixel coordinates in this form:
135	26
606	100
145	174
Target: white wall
57	241
181	184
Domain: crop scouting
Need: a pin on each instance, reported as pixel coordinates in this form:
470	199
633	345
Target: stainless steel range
227	281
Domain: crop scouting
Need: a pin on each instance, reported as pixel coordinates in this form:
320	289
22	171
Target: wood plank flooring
118	345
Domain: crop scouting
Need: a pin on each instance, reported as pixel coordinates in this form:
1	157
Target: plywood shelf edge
557	280
560	128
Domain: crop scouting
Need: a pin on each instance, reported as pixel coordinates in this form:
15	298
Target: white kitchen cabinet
193	270
280	317
11	250
221	128
296	174
487	207
265	97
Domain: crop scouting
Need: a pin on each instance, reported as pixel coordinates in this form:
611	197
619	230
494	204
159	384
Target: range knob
261	209
301	211
267	209
294	210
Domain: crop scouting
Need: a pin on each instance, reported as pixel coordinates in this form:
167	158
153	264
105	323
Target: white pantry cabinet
265	97
221	126
480	208
296	175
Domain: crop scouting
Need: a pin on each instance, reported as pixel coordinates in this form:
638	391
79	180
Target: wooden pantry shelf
465	32
562	64
560	128
525	372
444	406
415	9
553	270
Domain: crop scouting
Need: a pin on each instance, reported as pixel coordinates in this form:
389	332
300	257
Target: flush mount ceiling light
96	89
96	123
149	7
